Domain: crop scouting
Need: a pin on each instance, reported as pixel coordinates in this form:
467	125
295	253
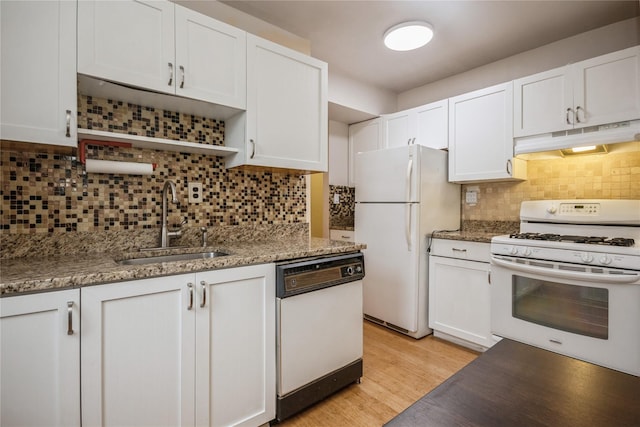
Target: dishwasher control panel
311	274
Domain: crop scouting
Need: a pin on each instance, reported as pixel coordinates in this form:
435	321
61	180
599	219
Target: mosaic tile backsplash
51	193
341	214
608	176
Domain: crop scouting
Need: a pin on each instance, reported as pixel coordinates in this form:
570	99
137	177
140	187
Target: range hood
595	135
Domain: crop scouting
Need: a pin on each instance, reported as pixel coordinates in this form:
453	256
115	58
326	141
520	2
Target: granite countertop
42	273
479	231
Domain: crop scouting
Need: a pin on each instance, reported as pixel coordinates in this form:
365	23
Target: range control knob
605	259
552	209
525	251
349	271
512	250
586	257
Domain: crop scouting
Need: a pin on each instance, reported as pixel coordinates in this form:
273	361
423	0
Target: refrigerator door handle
409	172
407	226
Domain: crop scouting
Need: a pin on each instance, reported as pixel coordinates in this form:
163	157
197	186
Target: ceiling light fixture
408	35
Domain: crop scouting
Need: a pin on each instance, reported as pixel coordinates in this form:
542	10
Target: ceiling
468	34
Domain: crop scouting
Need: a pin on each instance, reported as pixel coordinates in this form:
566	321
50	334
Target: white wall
587	45
250	24
338	153
359	96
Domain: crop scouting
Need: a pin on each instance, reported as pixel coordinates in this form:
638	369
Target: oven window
579	309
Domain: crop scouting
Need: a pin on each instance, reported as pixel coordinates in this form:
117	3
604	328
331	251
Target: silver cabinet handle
458	250
204	294
253	148
170	74
68	132
182	78
190	286
578	108
413	141
509	167
569	110
409	141
69	317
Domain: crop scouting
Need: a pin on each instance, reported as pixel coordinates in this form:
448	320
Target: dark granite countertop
50	271
479	231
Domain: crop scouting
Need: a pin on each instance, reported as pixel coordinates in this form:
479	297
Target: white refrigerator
402	197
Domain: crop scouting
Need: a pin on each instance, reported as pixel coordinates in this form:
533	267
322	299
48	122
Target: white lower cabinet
459	293
40	361
191	349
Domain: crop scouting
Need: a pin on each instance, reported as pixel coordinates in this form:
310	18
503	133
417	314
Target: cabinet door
459	299
235	346
38	78
399	129
607	88
481	134
541	103
40	363
432	124
210	58
129	41
363	136
138	353
286	108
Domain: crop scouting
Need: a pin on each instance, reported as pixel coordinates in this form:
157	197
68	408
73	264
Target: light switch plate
195	192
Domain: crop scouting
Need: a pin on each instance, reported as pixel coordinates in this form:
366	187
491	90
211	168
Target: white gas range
570	280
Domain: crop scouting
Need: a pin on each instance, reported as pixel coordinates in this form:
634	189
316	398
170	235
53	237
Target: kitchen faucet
165	234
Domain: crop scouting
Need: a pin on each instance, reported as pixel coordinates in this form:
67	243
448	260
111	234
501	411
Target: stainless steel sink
171	258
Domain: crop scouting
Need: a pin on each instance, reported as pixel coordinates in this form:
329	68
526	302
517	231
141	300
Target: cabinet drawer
344	235
461	249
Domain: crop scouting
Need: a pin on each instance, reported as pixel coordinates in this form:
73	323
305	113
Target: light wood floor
398	370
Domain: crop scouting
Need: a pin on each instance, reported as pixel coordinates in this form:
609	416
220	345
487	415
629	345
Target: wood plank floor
398	370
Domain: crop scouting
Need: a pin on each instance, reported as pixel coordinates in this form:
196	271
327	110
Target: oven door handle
589	277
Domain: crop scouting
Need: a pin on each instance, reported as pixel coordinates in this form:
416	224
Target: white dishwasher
319	329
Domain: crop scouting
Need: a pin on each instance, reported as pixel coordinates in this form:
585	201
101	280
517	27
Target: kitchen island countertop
44	273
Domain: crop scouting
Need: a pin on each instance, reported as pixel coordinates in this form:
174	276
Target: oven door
589	313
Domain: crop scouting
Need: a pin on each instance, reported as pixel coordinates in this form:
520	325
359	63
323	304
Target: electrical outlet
336	198
471	197
195	192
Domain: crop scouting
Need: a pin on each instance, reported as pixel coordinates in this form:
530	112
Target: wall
44	192
587	45
615	175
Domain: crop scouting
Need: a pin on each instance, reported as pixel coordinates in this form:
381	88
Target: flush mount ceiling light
408	35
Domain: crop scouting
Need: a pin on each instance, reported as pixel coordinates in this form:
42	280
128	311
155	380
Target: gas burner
590	240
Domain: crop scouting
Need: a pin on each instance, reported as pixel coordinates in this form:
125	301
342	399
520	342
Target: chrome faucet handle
204	236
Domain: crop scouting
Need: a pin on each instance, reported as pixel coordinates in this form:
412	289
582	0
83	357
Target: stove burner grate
590	240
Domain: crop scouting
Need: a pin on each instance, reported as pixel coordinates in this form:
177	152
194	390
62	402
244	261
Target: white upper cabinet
285	125
598	91
212	59
425	125
38	78
363	136
163	47
481	136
